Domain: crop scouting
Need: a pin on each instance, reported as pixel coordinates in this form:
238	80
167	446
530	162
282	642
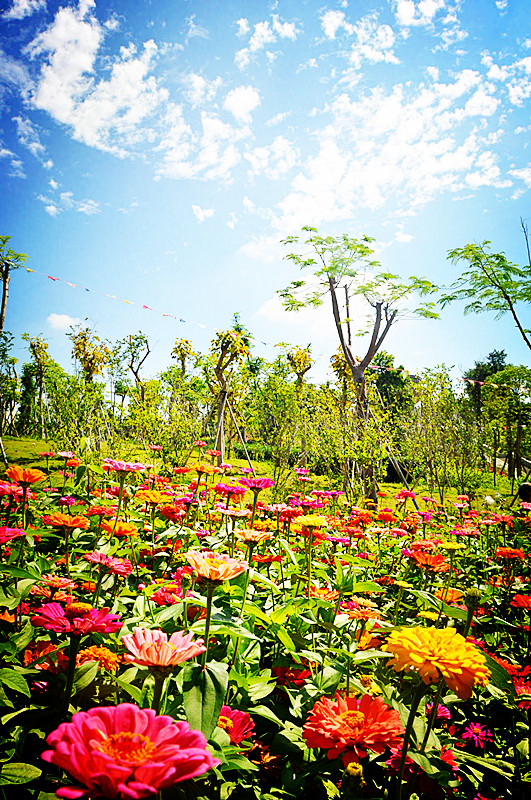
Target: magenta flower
256	484
477	734
76	618
126	753
8	534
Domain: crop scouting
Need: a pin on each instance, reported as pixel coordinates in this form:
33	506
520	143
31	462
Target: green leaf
500	767
18	572
24	637
499	676
13	680
266	713
18	773
203	694
132	691
84	675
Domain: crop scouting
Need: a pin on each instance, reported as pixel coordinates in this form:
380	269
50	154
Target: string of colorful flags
123	300
480	383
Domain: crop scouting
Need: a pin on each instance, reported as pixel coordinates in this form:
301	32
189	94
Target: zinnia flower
111	465
478	734
59	520
215	566
126	753
238	724
153	649
434	652
8	534
25	477
349	727
256	484
76	618
433	563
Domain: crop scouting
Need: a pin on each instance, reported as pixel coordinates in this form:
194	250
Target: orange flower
254	536
433	563
151	496
449	595
59	520
105	657
435	652
509	553
215	566
121	529
349	727
25	476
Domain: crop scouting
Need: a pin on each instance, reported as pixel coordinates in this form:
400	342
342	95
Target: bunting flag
480	383
123	300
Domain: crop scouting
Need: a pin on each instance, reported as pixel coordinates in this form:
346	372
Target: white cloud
243	27
501	5
67	202
23	8
210	154
15	74
333	21
400	148
373	43
240	102
17	168
201	214
106	114
201	91
53	184
274	160
264	33
28	136
194	30
278	118
62	322
417	12
523	174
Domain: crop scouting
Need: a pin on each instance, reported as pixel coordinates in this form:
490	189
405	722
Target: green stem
120	496
417	697
211	588
72	656
160	677
433	714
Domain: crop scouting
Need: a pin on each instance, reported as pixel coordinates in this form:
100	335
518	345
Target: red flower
76	618
349	727
519	600
124	752
238	724
256	484
8	534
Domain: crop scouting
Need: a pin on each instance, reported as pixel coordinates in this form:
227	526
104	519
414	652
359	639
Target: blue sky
159	151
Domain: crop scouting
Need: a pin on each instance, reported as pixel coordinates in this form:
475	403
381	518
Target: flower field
173	633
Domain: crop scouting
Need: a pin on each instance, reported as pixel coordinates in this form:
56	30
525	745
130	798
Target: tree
490	283
90	351
343	268
9	260
478	374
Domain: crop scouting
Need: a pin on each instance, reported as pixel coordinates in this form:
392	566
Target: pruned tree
343	268
9	260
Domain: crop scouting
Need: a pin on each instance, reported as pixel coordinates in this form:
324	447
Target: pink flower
256	484
116	566
126	753
154	649
238	724
76	618
122	466
8	534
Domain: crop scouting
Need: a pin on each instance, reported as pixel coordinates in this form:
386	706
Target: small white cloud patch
62	322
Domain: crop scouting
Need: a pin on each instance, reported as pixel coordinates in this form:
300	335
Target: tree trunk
5	292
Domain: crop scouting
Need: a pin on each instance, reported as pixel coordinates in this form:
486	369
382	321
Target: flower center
226	723
130	747
354	719
78	609
213	562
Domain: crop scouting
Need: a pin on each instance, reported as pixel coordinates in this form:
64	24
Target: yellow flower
434	652
433	615
452	546
403	584
312	521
